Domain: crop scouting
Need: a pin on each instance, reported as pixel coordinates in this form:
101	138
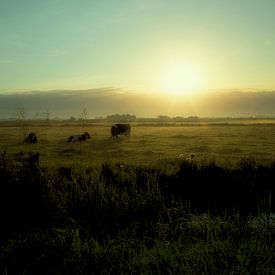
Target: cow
120	129
81	137
31	138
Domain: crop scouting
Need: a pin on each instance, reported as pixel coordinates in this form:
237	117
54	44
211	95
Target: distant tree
121	118
21	116
163	118
47	115
192	118
83	118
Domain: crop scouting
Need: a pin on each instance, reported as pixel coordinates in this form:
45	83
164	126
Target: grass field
140	204
147	144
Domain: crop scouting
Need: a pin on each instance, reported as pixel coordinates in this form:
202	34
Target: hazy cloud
105	101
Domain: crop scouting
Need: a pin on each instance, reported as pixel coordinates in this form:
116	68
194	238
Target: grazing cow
81	137
120	129
31	138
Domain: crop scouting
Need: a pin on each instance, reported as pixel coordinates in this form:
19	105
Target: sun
181	79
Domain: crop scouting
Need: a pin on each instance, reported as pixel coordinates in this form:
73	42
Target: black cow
81	137
31	138
120	129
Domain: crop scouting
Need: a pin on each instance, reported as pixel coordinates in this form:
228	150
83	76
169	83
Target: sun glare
181	80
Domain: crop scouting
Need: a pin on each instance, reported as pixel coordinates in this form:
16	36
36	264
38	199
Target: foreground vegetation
182	216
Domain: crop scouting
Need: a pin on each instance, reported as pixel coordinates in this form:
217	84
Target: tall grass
175	218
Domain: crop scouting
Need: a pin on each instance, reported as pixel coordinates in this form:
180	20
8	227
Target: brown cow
120	129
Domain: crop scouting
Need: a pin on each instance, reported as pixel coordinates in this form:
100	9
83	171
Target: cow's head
114	130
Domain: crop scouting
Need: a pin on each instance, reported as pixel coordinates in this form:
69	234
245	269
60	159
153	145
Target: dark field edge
174	217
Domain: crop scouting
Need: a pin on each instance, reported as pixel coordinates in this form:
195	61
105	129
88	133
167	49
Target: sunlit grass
146	145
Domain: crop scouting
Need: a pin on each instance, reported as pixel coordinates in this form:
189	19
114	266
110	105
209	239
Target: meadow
148	142
170	199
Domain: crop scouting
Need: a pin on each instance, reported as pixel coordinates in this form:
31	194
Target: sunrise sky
173	46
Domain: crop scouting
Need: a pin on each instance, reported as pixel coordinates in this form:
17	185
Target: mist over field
106	101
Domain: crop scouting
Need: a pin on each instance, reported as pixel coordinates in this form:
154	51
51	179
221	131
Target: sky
173	46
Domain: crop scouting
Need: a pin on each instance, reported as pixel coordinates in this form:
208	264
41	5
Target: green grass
138	205
123	219
147	144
